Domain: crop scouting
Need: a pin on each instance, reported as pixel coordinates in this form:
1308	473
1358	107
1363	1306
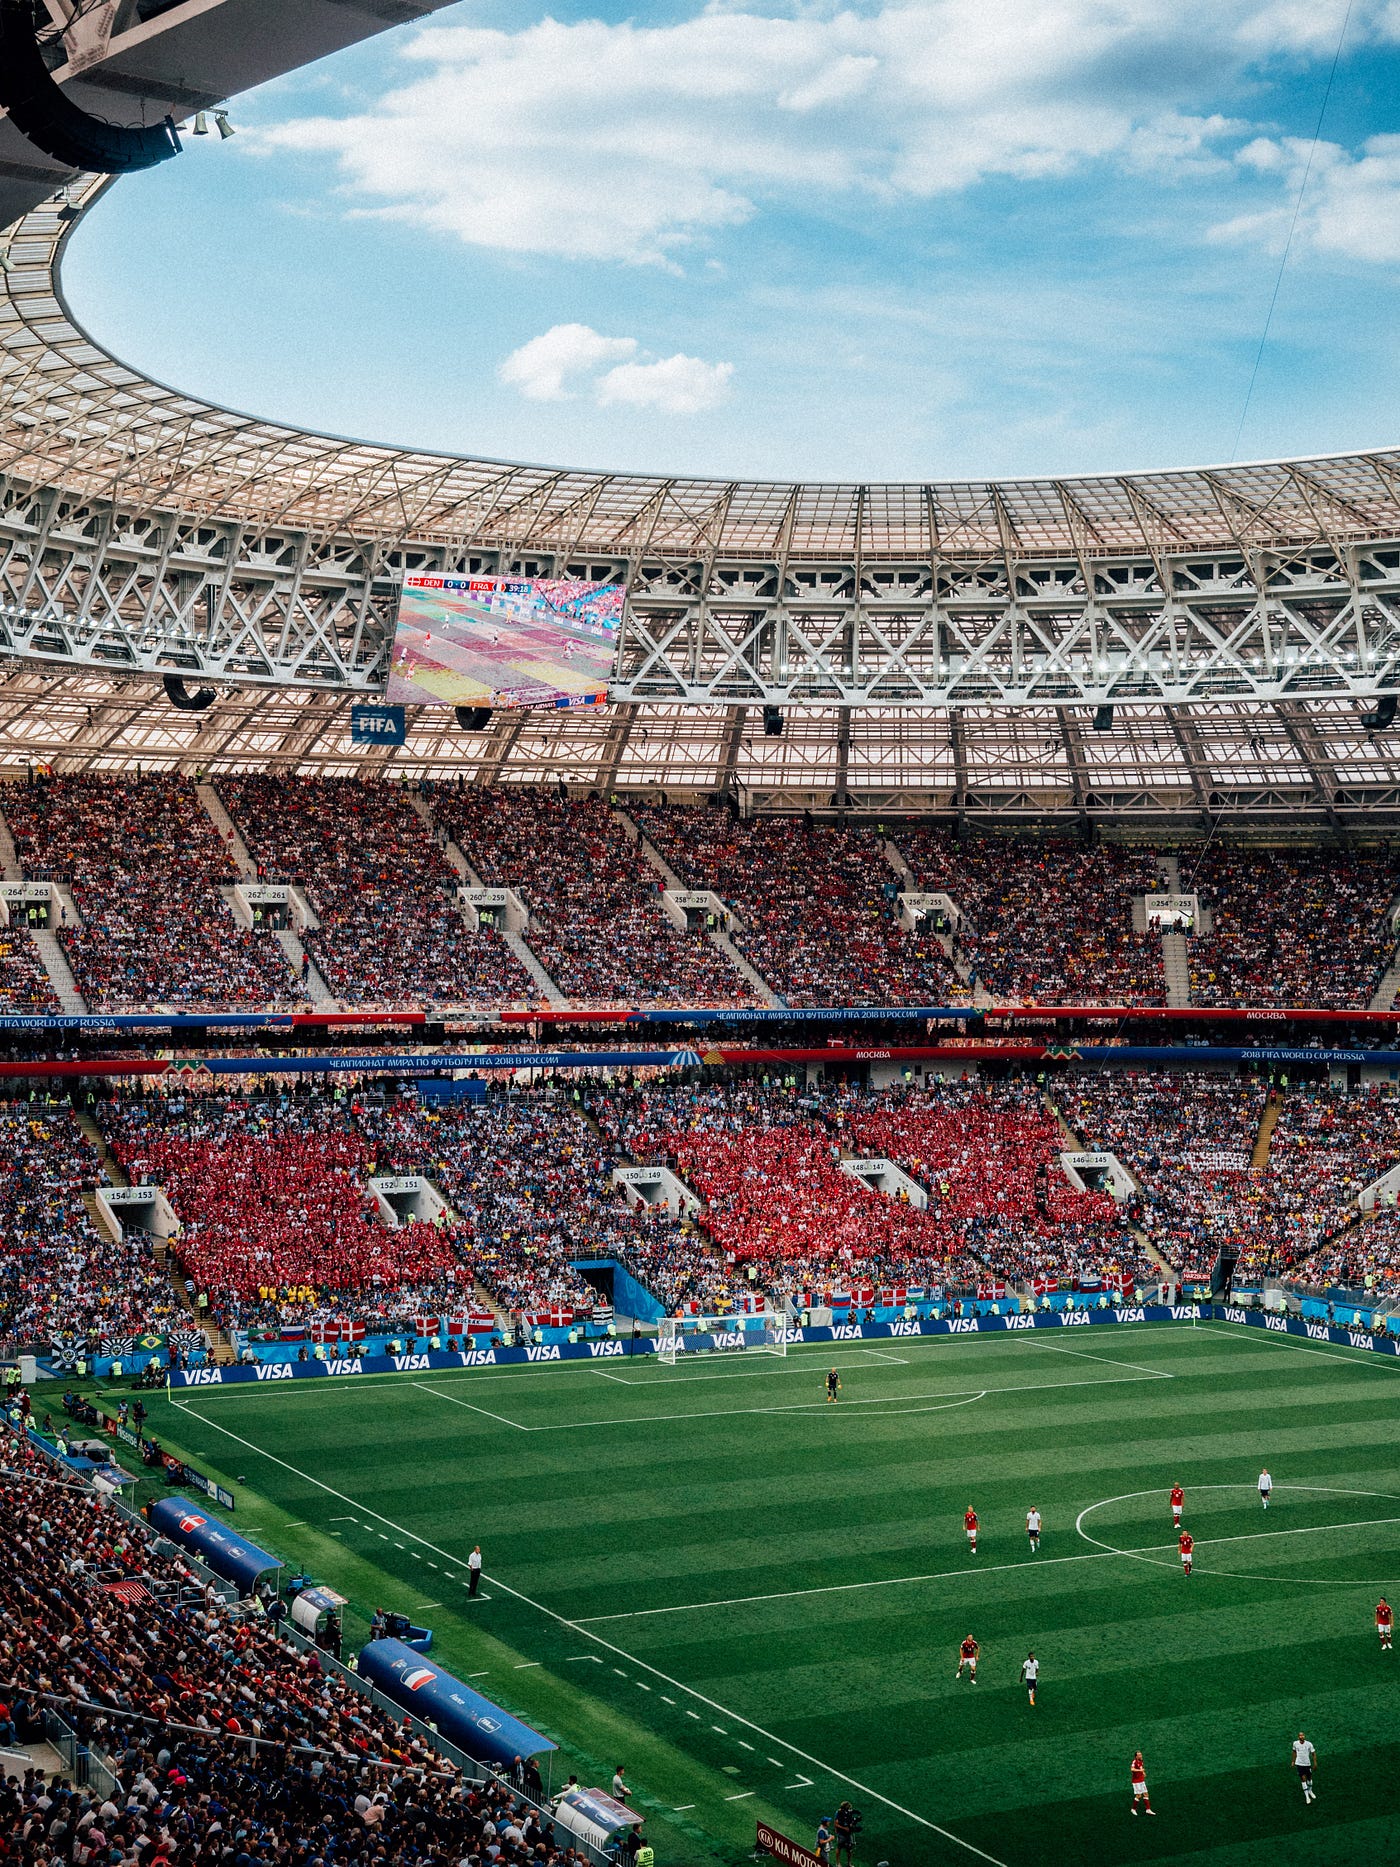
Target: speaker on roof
773	722
1103	719
1383	718
473	719
180	696
42	111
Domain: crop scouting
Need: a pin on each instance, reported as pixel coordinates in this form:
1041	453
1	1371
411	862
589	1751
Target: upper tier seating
816	907
596	920
145	864
1044	919
391	932
1290	928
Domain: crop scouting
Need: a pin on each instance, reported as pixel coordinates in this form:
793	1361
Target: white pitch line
893	1404
1059	1348
1351	1357
1147	1552
422	1388
752	1374
562	1620
845	1588
1152	1552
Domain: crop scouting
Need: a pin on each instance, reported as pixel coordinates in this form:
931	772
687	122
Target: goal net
679	1337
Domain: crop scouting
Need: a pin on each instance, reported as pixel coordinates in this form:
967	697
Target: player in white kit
1266	1485
1304	1757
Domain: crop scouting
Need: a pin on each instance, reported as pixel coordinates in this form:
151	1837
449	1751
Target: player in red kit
1186	1543
1384	1618
967	1656
970	1525
1178	1504
1140	1785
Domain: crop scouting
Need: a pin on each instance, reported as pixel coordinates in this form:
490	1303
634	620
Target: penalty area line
679	1685
890	1405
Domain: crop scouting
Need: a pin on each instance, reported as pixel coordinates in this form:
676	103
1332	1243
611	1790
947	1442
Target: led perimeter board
504	642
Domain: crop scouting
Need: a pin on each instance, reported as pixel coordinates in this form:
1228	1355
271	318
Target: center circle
1233	1575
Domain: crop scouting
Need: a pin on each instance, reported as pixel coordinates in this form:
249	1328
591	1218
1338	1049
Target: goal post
763	1332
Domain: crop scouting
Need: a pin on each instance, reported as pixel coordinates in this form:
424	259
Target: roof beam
731	740
1193	751
1307	742
508	728
1074	758
624	718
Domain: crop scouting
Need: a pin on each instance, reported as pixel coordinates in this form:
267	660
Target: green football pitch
753	1599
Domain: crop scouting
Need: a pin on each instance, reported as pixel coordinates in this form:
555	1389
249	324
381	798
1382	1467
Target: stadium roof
940	645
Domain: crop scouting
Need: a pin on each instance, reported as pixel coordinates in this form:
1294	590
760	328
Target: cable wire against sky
1292	229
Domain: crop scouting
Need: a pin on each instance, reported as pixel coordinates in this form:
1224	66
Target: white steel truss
146	532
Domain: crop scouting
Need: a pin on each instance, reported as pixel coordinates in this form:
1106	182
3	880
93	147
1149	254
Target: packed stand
597	604
63	1280
1290	928
391	932
532	1186
596	919
989	1155
276	1220
1363	1256
1044	920
226	1741
24	984
1188	1140
816	908
1327	1146
145	864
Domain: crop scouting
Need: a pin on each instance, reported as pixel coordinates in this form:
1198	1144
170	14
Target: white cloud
678	385
1350	205
569	359
541	369
591	140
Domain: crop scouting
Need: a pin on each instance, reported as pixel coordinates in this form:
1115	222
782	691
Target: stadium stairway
1176	969
228	831
717	936
1078	1145
547	986
1383	998
9	855
316	988
55	964
1176	949
1268	1121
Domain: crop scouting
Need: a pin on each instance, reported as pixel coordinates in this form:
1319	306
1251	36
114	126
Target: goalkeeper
833	1384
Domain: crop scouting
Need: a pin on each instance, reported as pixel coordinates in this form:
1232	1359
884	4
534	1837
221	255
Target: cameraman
847	1825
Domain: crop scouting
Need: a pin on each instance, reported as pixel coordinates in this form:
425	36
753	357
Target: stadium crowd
1290	927
145	865
596	920
24	984
390	930
532	1185
791	1219
1044	919
227	1744
275	1216
62	1278
1188	1141
816	908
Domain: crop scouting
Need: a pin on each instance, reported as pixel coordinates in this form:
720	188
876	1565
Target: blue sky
943	239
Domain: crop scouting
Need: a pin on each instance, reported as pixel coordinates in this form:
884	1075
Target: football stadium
693	1168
